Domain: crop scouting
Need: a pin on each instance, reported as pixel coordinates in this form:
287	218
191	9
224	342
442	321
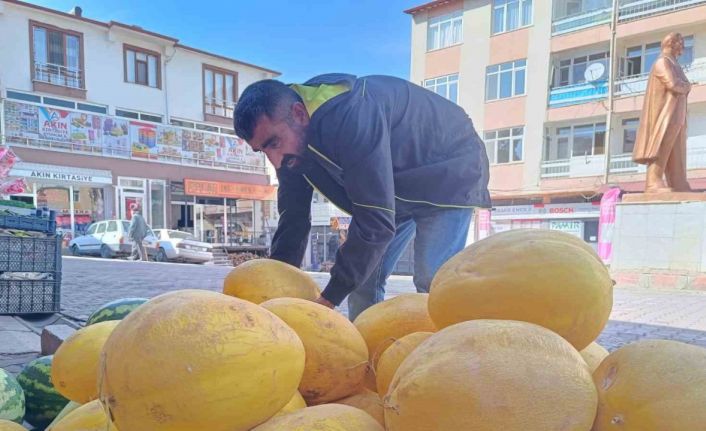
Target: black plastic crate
30	296
19	254
32	223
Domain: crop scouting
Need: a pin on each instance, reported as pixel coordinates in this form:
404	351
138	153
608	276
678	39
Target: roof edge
427	6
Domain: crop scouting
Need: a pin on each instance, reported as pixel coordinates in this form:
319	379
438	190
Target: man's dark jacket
384	141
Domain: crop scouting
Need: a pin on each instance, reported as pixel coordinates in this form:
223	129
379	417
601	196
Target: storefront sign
588	209
572	227
114	136
35	171
340	223
483	221
228	190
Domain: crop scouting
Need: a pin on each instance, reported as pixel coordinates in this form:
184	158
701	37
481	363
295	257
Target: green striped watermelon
12	398
115	310
43	401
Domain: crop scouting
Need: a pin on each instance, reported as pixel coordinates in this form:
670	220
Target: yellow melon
387	321
652	385
594	354
369	402
336	355
296	403
491	375
198	360
370	380
327	417
74	371
393	357
262	279
88	417
6	425
530	275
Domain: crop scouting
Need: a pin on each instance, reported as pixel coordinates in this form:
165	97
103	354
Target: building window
138	116
505	80
576	141
57	56
505	145
445	30
573	71
142	66
446	86
569	8
640	59
629	135
510	15
220	89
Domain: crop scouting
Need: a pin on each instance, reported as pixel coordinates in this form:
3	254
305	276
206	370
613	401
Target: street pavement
637	313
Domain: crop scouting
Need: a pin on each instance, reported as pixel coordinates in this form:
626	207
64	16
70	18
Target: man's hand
323	301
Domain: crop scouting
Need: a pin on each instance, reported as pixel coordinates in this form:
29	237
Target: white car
109	239
181	246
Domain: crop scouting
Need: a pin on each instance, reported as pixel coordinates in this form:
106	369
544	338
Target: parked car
181	246
109	239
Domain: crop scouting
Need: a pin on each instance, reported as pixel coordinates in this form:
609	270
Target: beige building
535	77
106	114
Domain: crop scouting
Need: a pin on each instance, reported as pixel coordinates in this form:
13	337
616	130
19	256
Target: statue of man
661	138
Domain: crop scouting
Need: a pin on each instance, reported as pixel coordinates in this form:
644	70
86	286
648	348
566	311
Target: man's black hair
258	99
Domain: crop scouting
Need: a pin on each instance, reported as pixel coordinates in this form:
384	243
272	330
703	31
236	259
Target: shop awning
217	189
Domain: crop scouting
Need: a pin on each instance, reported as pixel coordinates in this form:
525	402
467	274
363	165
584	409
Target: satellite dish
594	72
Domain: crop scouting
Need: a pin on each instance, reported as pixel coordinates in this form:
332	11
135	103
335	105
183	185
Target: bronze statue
661	138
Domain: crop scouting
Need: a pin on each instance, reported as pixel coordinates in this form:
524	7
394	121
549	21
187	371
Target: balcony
623	164
631	10
581	21
57	74
634	85
51	128
574	167
218	111
577	94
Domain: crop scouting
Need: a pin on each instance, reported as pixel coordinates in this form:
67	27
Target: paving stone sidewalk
89	283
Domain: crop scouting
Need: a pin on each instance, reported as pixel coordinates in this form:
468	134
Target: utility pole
612	67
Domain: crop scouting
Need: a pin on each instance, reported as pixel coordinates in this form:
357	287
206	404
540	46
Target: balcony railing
631	10
219	107
57	74
623	164
577	93
581	21
556	168
633	85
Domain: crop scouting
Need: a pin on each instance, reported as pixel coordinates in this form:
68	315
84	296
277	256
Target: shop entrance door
127	200
198	221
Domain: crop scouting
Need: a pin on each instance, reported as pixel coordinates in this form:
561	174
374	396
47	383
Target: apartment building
556	94
105	114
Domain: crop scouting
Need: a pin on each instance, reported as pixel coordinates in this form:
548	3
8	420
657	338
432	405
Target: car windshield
176	234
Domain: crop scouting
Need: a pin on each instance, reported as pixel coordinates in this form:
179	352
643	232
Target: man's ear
300	114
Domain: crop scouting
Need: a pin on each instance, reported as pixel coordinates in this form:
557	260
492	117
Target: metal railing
220	107
556	168
631	10
57	74
637	84
581	21
577	93
622	163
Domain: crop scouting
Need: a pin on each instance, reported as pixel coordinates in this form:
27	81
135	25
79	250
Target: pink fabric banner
606	222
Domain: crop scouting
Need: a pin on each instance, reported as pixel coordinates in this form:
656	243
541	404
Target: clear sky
300	38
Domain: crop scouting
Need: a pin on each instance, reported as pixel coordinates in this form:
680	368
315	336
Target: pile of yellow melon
505	341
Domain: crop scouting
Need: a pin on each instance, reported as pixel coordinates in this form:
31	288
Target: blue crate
30	296
30	223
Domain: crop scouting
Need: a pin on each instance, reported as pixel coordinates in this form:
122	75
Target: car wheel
161	256
75	251
106	252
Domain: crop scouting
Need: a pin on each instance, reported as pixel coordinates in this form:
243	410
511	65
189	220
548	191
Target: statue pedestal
664	197
660	243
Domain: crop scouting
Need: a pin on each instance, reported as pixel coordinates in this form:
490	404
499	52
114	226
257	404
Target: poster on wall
192	144
143	139
233	150
21	121
211	145
86	131
54	125
116	138
168	143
